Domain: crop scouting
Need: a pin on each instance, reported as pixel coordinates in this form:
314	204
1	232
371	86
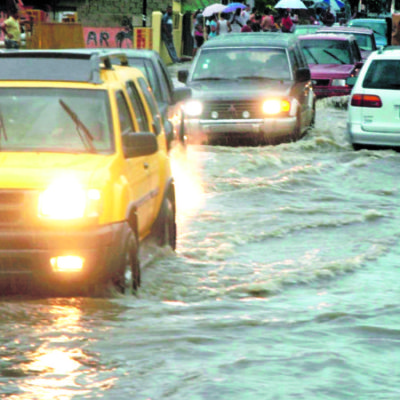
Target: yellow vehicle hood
38	170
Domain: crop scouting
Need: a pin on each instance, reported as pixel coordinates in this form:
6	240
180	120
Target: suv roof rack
388	47
72	65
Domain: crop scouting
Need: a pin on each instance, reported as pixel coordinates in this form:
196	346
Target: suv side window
293	60
137	105
152	104
166	79
125	120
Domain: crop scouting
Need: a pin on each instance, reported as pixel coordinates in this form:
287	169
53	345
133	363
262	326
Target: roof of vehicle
327	36
366	20
347	29
256	39
387	52
78	65
136	53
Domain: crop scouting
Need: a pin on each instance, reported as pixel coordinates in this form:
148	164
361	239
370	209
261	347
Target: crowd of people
246	20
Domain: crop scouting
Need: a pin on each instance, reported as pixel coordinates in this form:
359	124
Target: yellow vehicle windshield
55	120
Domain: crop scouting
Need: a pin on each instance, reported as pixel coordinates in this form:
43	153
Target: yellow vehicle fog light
275	106
67	263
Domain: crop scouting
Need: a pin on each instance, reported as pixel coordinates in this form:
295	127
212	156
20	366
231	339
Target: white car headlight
339	82
193	108
66	199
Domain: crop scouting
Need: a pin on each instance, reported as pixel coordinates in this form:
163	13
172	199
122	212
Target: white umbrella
293	4
213	9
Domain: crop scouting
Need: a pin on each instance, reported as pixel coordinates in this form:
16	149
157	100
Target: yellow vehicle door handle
146	165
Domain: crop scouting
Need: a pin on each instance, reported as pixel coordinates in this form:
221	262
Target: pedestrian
194	24
236	22
224	26
247	27
213	27
256	24
167	28
12	30
327	17
286	22
267	22
245	14
198	35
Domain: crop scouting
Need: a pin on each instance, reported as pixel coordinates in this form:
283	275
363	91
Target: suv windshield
237	63
324	51
383	74
364	41
60	120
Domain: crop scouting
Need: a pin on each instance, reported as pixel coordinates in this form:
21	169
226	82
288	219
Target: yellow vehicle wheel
128	275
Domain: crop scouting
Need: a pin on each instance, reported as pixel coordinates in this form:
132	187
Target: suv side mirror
180	94
137	144
303	74
169	133
183	75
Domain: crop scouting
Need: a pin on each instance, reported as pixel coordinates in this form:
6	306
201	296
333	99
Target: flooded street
284	285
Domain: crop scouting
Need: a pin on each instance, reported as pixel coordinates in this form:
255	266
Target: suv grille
233	110
17	207
321	82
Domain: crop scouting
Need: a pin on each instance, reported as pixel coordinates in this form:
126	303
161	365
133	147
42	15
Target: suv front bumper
28	252
200	131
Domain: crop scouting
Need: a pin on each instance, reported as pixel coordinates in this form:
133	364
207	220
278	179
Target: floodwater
284	285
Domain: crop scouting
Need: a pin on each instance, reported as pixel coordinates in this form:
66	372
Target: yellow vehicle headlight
275	106
66	199
193	108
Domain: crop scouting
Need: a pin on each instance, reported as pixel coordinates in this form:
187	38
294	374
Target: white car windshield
50	119
242	63
383	74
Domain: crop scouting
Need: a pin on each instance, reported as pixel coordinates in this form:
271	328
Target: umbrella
234	6
213	9
335	4
293	4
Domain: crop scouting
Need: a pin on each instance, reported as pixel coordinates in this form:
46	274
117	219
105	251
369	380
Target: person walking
224	25
166	34
286	22
267	23
236	22
12	30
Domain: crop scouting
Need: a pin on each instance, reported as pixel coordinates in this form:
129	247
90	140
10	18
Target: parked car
85	175
255	86
378	25
306	29
365	37
332	58
169	98
374	106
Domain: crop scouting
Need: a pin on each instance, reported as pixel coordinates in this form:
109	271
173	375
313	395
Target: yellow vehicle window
55	120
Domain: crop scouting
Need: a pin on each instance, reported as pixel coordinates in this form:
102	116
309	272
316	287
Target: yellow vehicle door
157	128
136	170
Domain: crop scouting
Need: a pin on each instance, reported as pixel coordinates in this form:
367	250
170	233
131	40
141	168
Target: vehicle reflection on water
283	286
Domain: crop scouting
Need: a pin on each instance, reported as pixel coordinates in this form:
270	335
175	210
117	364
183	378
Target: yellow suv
84	170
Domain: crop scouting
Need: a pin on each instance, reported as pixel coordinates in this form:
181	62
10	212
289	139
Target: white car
374	104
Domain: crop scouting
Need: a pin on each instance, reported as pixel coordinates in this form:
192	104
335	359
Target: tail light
366	100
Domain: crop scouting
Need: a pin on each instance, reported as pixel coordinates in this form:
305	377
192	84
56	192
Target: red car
332	59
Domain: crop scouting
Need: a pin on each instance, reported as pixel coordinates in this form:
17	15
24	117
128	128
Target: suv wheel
128	275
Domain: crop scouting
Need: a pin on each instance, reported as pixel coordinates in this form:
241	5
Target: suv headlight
275	106
339	82
66	199
193	108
